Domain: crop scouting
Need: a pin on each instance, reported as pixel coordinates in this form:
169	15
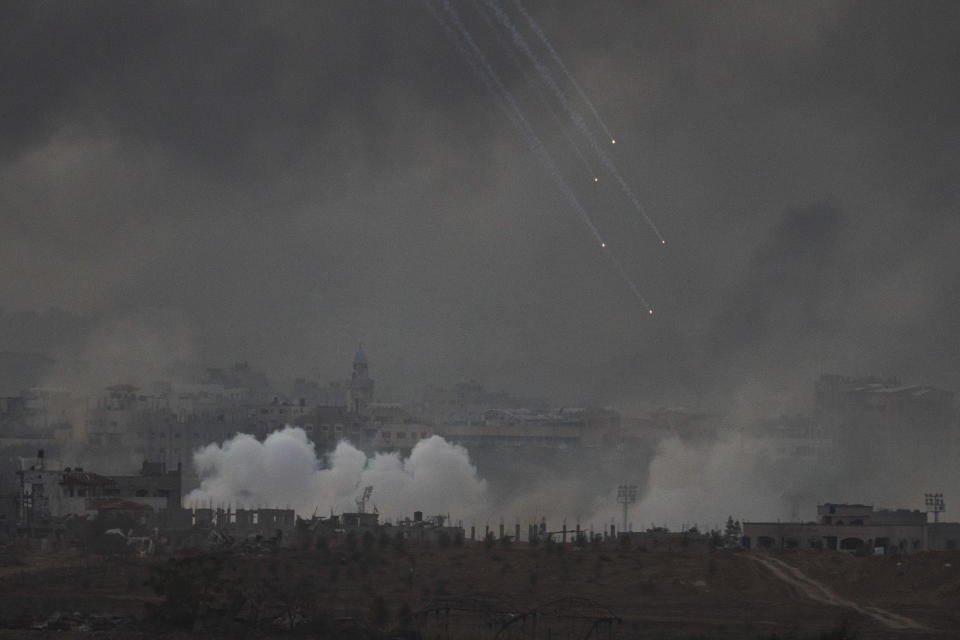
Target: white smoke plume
702	482
283	471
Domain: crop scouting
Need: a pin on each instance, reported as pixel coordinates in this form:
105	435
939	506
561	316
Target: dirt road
819	592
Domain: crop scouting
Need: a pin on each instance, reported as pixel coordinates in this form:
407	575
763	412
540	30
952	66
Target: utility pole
626	495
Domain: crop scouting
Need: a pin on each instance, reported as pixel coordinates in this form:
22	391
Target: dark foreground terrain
386	588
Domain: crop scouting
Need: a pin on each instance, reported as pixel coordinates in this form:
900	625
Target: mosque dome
360	357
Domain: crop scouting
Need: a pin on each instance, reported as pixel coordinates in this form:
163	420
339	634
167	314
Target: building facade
856	528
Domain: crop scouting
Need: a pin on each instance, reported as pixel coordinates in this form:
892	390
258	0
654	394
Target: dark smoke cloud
785	279
290	179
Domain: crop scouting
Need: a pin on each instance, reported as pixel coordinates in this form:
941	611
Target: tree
732	532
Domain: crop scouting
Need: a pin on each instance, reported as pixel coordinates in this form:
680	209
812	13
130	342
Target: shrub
368	541
399	542
840	633
405	616
716	540
379	614
189	587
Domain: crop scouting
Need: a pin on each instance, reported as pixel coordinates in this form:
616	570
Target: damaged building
47	497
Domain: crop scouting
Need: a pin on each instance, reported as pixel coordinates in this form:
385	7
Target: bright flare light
596	179
612	141
663	242
651	311
603	244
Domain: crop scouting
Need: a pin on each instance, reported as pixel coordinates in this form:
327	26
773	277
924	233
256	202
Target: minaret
360	386
360	364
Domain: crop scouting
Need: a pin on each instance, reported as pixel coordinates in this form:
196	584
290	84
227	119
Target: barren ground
660	591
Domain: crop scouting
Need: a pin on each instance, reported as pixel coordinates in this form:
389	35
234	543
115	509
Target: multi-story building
875	408
564	427
47	495
887	422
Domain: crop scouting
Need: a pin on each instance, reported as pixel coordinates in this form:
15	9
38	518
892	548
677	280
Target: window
401	435
385	435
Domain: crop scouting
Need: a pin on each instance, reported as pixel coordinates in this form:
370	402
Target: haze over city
677	279
274	184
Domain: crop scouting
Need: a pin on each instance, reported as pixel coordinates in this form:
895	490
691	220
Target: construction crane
362	500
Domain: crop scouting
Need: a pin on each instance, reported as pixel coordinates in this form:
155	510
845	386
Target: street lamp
626	495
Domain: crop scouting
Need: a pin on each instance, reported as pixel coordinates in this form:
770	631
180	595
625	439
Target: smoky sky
275	183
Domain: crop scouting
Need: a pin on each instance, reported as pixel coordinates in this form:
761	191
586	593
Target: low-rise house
856	527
